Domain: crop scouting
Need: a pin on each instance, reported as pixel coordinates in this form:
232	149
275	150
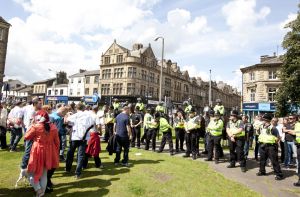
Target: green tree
289	92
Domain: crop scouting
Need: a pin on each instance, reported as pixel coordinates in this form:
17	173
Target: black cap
157	115
234	113
193	110
267	117
217	113
211	112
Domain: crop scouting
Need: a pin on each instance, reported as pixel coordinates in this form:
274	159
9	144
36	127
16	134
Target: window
252	76
49	92
95	90
72	80
61	92
105	89
131	72
86	91
96	79
71	92
106	73
185	88
119	58
130	88
177	86
79	80
252	95
56	92
106	60
151	77
167	93
78	91
117	88
167	82
1	34
143	90
151	92
272	74
118	73
144	75
271	94
87	80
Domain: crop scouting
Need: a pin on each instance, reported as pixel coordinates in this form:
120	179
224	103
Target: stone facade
128	74
92	82
4	30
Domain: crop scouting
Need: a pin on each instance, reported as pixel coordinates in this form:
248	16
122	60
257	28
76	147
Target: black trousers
214	142
282	154
237	151
136	136
81	145
151	136
191	143
256	149
179	138
269	151
167	136
3	143
122	143
109	129
144	137
86	161
49	176
298	158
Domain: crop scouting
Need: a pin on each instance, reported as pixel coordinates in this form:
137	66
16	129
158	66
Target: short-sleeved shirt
238	126
274	131
122	121
289	137
59	122
249	129
136	118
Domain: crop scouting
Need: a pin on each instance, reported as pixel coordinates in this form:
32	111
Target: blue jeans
288	146
25	159
247	146
81	145
16	135
62	143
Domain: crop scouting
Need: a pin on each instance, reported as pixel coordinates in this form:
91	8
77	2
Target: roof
26	89
92	72
4	21
137	53
44	81
61	85
271	61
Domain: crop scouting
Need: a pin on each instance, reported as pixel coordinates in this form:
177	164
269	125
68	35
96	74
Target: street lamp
161	69
209	93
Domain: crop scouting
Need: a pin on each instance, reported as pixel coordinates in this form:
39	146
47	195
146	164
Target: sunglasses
291	118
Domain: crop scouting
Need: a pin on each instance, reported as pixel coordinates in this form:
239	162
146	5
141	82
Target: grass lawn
150	174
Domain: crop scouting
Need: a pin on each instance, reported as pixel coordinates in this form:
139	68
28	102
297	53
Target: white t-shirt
28	115
80	121
16	115
279	127
3	117
100	115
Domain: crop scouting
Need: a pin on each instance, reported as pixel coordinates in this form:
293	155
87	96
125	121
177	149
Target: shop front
56	99
253	109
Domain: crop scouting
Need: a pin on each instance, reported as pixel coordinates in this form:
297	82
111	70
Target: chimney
137	46
81	70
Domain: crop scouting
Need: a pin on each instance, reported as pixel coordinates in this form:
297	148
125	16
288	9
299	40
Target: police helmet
218	101
193	110
139	99
185	103
148	109
157	115
211	112
234	113
267	117
217	113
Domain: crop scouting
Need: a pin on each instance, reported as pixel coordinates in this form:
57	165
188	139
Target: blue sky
199	35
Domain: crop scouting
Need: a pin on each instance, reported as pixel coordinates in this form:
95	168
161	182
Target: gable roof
4	21
115	45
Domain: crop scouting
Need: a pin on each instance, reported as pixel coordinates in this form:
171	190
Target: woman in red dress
44	154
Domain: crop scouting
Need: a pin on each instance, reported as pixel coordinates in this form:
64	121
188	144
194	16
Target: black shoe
261	174
204	152
231	166
207	159
297	184
182	150
177	151
278	177
62	158
186	156
138	147
243	169
159	151
48	190
194	157
171	154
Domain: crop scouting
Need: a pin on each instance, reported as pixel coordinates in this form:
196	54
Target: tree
288	93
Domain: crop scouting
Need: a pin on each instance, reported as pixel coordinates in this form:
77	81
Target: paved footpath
265	185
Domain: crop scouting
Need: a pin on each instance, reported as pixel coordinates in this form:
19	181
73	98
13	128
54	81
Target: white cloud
290	18
178	17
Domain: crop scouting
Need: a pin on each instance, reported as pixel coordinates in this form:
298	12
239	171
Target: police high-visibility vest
215	127
192	124
164	125
116	105
153	124
108	118
266	136
147	120
219	108
297	129
188	109
179	123
160	108
140	105
234	126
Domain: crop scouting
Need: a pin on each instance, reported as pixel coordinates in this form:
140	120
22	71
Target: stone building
260	83
129	74
4	30
92	82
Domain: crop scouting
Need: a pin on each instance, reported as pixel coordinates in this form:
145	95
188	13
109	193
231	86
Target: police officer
191	127
147	120
136	122
109	118
140	104
153	123
219	107
214	130
236	135
116	104
166	129
179	130
268	139
160	108
297	133
187	107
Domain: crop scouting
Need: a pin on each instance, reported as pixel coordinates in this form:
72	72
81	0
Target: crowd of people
46	131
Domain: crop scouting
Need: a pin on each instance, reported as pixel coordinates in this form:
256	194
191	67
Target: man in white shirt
82	122
15	121
3	119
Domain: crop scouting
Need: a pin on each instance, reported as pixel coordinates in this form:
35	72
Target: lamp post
161	69
209	93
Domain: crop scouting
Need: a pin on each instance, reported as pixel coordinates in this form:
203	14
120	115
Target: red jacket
93	147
